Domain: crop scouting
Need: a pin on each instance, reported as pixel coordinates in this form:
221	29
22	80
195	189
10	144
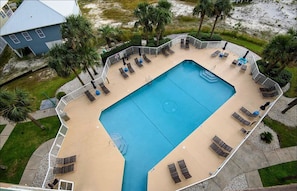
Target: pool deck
100	166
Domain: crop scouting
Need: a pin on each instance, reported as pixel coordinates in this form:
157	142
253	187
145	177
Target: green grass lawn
281	174
249	45
1	128
38	86
287	135
23	141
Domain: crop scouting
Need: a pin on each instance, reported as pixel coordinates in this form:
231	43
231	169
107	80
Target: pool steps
120	142
208	76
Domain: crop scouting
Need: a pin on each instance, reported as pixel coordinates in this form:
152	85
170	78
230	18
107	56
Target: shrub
206	36
135	41
266	136
60	95
282	78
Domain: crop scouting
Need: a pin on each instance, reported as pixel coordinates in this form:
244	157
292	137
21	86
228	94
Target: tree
109	34
282	49
77	32
88	57
16	105
67	57
203	7
161	17
63	61
221	8
144	12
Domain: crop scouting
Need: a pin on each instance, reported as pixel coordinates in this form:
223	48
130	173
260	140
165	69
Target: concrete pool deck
100	165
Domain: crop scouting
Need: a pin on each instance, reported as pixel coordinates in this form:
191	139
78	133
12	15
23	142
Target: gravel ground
238	183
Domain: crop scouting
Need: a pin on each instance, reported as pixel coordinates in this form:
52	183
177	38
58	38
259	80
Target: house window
40	33
26	36
14	39
2	14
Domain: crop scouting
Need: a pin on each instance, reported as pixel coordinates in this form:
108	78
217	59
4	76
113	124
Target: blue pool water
149	123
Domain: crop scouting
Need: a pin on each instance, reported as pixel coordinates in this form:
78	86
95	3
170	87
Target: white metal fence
256	75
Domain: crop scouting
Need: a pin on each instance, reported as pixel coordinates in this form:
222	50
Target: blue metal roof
3	2
33	14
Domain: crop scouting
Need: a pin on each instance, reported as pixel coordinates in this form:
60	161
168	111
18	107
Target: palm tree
77	32
281	49
16	105
67	57
88	57
144	12
203	7
63	61
221	9
109	34
161	17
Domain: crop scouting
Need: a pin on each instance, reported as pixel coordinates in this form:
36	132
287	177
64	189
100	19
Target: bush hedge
206	36
60	95
135	41
282	78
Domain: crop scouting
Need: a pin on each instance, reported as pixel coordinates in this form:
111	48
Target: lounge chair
243	67
89	95
52	185
169	50
269	89
247	112
218	150
66	160
173	173
131	70
182	43
234	62
216	53
137	62
146	59
240	119
104	88
164	52
221	143
64	169
187	44
123	73
244	131
184	169
270	94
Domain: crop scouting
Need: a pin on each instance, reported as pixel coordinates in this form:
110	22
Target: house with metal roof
35	25
5	13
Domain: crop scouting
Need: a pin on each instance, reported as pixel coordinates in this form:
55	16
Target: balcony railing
238	50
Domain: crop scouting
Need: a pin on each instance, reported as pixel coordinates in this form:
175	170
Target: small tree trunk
214	26
37	123
89	73
76	74
158	38
270	66
200	24
94	70
108	41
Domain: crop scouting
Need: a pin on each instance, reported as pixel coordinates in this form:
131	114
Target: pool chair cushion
123	73
184	169
173	173
104	88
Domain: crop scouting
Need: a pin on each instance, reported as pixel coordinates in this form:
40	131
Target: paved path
10	125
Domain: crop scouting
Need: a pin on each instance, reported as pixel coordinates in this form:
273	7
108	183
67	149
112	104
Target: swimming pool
149	123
